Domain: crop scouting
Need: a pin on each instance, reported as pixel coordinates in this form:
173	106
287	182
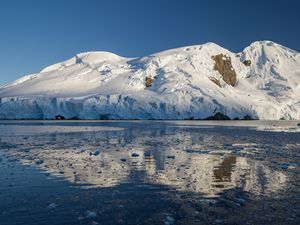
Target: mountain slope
263	82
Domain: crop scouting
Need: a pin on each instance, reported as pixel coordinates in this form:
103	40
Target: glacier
193	82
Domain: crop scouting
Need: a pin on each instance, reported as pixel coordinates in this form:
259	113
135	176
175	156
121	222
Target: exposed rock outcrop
224	66
247	117
247	62
60	117
216	81
218	116
149	81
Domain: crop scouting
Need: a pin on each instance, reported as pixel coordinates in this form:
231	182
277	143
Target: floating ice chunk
39	161
52	206
218	221
95	153
80	218
169	220
90	214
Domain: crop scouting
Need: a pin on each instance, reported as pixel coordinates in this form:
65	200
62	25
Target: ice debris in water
80	218
218	221
169	220
95	153
52	206
90	214
39	161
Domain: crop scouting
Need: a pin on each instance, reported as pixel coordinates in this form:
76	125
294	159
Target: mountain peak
181	83
269	44
98	56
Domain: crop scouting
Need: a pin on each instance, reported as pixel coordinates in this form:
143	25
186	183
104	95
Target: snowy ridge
184	83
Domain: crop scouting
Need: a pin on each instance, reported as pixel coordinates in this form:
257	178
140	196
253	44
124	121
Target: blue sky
37	33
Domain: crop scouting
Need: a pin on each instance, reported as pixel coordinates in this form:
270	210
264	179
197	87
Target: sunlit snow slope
195	82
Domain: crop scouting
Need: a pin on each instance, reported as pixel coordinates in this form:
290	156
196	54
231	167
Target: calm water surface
149	172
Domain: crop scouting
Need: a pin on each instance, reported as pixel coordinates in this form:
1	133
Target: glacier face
182	83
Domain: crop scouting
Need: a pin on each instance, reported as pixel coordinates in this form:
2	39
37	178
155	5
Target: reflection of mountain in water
110	161
211	174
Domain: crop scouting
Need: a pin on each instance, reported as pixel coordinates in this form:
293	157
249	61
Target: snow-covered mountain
262	82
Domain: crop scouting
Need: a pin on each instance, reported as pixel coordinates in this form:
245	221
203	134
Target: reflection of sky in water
182	158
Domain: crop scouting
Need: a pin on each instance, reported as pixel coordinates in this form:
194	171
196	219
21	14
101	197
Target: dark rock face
247	62
247	117
224	66
215	80
60	117
149	81
218	116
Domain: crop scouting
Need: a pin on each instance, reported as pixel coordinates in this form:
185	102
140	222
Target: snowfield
195	82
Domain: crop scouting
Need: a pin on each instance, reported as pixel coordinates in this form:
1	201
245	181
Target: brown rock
247	62
224	66
215	80
149	81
